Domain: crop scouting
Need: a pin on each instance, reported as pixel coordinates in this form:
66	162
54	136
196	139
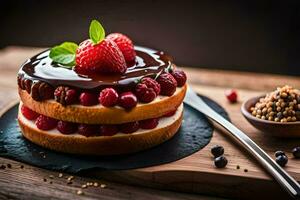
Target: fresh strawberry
125	45
104	57
96	54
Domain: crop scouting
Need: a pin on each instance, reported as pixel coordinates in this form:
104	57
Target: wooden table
24	181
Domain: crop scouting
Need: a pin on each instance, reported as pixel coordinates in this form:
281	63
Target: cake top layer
149	62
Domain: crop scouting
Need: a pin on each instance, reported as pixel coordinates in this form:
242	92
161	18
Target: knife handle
282	177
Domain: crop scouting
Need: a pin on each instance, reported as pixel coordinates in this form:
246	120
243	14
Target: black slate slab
194	134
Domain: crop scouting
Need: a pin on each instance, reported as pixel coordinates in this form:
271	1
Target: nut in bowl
276	113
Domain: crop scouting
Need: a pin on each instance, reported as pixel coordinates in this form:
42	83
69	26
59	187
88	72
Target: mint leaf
96	32
64	54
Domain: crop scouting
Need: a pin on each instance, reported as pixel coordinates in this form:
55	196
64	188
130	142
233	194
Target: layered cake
104	96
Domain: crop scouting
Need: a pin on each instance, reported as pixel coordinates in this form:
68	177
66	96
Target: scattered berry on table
296	152
28	113
279	153
108	97
167	83
180	77
148	123
217	151
221	162
45	123
125	45
66	127
88	99
127	100
282	160
231	95
129	127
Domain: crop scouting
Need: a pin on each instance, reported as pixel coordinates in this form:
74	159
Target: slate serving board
194	134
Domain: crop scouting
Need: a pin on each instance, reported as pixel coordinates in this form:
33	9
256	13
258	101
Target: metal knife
282	177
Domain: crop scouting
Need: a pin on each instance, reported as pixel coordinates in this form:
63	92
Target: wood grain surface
195	173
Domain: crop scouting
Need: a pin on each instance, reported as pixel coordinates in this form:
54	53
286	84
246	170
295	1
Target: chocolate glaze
149	62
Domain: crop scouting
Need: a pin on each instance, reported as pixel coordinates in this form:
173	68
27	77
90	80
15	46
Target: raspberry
45	123
231	95
125	45
88	130
88	99
104	57
129	127
65	95
167	83
109	130
147	90
144	94
149	123
71	96
169	114
127	100
66	127
108	97
151	83
28	113
180	77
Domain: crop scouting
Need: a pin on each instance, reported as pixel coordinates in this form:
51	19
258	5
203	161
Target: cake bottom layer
102	145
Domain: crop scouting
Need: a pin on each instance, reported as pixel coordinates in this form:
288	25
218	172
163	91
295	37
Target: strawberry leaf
96	32
64	54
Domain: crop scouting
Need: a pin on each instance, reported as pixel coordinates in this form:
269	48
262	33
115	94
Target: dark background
261	36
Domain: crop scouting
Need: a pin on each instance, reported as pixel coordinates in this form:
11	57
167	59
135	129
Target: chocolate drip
40	68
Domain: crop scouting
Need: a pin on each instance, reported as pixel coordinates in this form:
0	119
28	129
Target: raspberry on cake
104	96
28	113
127	100
147	90
108	97
167	83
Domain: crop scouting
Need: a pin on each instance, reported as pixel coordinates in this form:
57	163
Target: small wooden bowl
277	129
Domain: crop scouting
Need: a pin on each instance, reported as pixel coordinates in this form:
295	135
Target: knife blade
279	174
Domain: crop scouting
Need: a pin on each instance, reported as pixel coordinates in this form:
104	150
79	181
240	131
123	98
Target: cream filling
163	122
